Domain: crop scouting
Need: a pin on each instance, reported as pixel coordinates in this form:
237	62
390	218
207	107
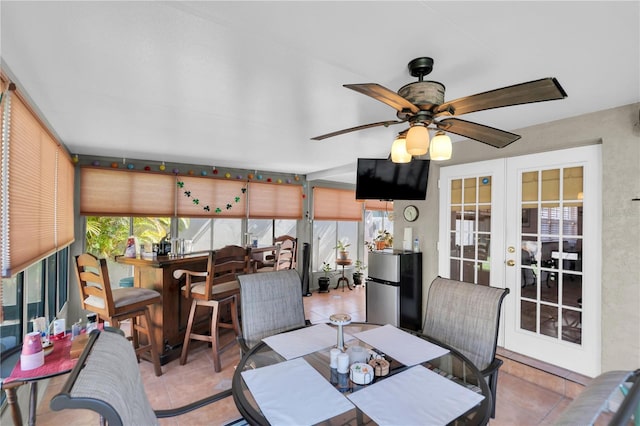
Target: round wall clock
410	213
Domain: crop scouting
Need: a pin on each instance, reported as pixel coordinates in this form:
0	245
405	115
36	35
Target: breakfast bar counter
170	317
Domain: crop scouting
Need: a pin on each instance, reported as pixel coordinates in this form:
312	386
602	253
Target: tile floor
519	402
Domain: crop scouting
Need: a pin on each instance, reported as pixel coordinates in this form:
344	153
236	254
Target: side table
343	279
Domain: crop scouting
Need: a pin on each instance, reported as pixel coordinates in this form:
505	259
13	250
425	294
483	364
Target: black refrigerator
394	288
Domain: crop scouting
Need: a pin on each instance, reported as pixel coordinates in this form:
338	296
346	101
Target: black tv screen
382	179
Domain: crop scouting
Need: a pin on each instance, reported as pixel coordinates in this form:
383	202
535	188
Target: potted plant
343	254
384	239
359	268
323	282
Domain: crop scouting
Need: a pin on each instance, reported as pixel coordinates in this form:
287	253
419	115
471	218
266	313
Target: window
267	230
336	215
39	290
326	236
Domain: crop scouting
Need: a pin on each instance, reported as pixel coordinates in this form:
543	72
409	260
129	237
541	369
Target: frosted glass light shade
399	152
417	140
440	147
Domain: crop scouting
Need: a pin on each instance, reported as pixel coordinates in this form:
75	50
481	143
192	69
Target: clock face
410	213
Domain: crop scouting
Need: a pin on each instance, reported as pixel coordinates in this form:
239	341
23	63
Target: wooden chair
119	304
214	288
285	257
467	316
270	303
107	380
270	258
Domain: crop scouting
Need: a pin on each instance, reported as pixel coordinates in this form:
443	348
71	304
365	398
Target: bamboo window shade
269	201
336	204
37	188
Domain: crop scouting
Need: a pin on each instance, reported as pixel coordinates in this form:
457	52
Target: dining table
288	379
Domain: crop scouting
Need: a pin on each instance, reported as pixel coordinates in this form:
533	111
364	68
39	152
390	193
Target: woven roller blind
224	198
336	204
271	201
109	192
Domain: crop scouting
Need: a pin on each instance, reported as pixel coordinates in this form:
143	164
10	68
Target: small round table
343	279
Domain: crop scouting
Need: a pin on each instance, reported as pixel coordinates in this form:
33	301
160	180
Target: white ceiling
247	84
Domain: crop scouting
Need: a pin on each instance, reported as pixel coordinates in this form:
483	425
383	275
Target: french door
531	224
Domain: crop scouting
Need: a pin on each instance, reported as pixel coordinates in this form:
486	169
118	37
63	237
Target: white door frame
505	232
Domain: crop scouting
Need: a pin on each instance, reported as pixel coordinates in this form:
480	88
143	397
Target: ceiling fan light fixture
418	140
440	147
399	152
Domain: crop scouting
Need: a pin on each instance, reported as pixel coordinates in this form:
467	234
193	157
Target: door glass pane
551	185
470	229
470	190
484	191
549	320
484	218
454	269
549	293
530	186
456	191
551	236
468	272
528	316
456	214
454	247
572	326
572	183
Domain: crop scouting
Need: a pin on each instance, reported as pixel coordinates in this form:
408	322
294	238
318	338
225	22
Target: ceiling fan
422	104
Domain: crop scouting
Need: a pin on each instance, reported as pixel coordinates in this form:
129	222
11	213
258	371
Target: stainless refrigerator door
384	266
383	303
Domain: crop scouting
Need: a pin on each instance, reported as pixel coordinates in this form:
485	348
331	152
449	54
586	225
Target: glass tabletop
452	366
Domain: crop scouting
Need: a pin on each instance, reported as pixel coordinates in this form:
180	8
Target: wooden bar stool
219	288
117	305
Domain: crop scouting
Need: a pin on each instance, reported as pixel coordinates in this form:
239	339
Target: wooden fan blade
479	132
353	129
384	95
546	89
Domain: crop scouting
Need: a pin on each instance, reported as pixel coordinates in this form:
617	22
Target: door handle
511	262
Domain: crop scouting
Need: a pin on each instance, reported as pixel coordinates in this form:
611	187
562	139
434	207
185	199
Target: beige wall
618	130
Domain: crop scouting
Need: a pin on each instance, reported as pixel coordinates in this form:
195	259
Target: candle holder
340	320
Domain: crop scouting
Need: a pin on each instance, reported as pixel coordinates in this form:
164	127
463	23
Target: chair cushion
199	288
123	297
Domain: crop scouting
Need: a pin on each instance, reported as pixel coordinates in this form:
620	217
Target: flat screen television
382	179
